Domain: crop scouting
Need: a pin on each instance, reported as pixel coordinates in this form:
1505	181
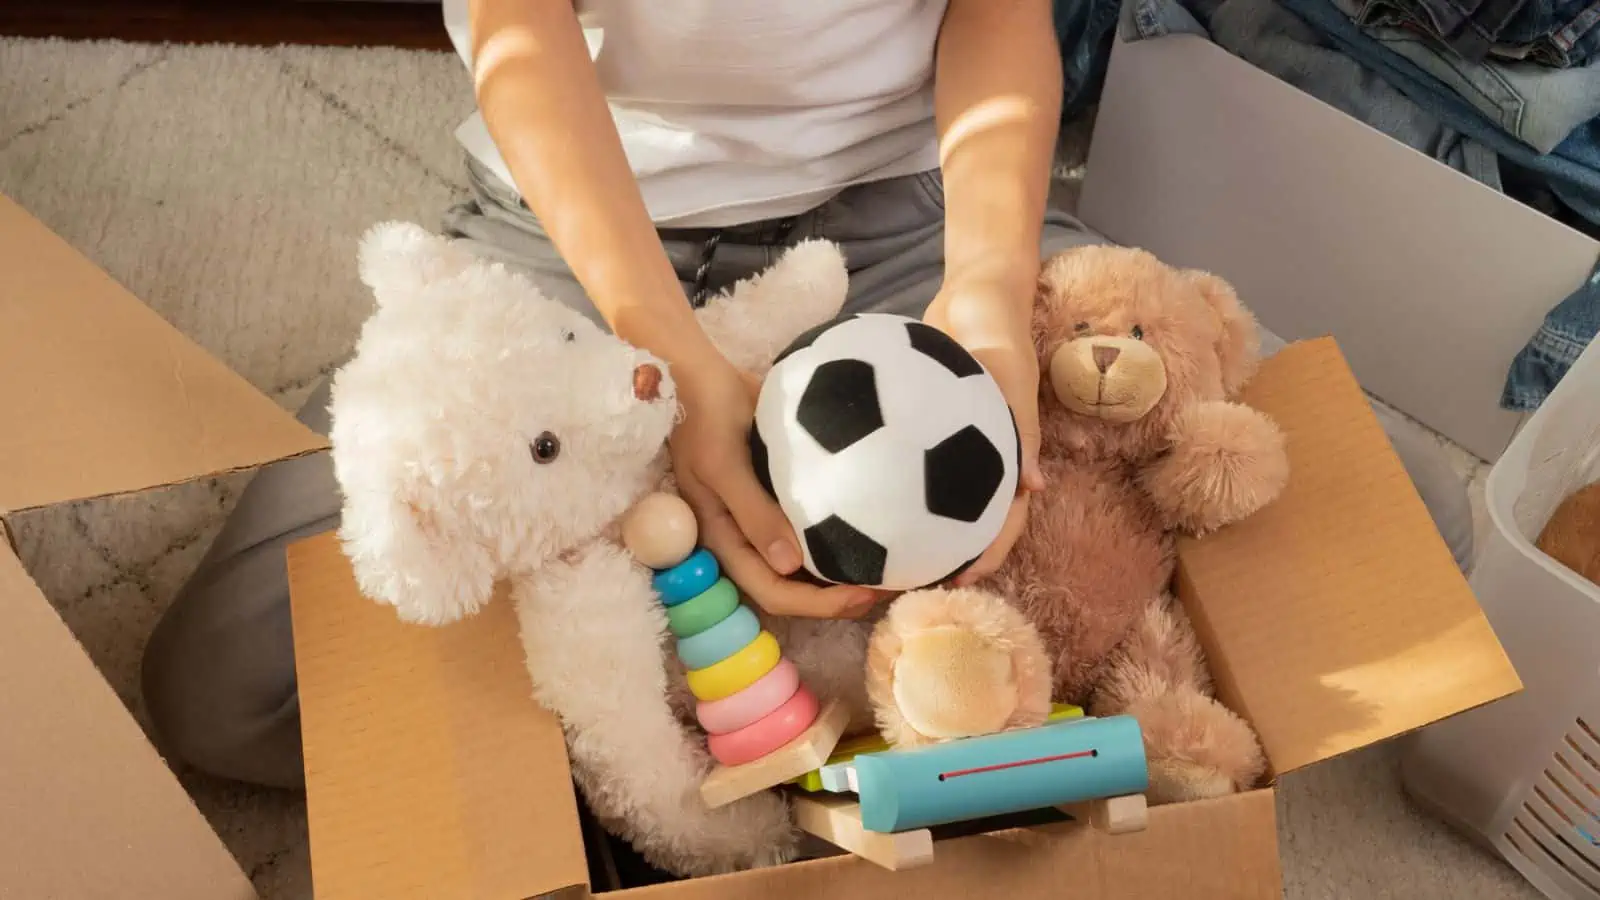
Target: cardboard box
1333	620
101	397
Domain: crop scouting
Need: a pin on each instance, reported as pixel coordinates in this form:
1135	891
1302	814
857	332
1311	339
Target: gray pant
219	679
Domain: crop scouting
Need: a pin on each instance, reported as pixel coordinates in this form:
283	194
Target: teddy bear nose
646	382
1104	356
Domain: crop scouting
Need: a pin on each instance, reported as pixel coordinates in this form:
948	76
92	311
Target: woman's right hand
740	523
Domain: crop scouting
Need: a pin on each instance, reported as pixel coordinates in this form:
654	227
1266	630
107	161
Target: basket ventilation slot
1557	831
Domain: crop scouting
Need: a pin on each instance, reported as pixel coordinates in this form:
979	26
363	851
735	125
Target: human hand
740	523
993	318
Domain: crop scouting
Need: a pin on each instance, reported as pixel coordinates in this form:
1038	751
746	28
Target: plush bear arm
1225	461
595	638
1196	747
754	321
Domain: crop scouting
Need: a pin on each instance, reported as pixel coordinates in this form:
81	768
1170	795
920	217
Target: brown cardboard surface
1223	849
88	810
431	772
1336	617
101	395
1430	281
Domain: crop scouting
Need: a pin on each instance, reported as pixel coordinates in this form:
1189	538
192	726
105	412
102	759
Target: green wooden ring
709	607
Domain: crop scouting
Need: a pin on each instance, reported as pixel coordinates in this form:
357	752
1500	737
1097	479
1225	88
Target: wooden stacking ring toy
752	703
767	733
714	604
769	692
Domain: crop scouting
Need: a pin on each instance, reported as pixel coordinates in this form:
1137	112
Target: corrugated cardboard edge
1222	849
311	447
1336	617
69	747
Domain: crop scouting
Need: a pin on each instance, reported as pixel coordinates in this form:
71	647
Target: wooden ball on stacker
660	531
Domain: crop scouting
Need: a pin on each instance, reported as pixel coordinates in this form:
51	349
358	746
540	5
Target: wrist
662	322
993	277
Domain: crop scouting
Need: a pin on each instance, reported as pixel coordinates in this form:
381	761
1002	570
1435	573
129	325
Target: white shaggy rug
226	187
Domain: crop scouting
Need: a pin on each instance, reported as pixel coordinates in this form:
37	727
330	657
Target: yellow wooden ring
737	672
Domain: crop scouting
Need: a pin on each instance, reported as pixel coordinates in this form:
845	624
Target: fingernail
782	556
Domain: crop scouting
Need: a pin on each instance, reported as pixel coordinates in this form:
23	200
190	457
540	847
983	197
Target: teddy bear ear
405	555
405	551
399	259
1239	344
755	320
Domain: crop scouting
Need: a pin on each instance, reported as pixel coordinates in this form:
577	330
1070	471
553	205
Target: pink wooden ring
760	699
767	734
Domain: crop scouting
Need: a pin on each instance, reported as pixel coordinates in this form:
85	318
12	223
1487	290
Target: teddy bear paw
953	663
1196	747
1227	461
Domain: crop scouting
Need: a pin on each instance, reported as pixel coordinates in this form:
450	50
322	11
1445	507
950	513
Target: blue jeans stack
1506	91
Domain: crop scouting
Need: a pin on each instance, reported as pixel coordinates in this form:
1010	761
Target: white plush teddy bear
483	433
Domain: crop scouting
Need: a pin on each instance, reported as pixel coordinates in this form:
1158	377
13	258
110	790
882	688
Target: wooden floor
346	23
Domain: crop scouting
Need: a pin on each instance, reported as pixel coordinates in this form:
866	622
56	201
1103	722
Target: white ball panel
877	484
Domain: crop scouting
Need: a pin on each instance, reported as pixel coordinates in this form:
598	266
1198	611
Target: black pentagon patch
807	338
840	404
844	555
960	475
759	462
942	349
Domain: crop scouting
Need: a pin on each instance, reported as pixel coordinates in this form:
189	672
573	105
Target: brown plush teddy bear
1141	438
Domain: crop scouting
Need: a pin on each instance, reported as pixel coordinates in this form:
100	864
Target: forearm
997	102
541	101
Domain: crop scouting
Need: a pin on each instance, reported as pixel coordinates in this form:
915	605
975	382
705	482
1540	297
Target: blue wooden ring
721	640
688	579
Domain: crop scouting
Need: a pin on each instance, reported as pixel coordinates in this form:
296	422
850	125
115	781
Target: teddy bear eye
1138	333
569	335
545	448
1081	327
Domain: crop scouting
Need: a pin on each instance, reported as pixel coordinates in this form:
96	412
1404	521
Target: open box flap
101	396
1337	617
114	822
430	769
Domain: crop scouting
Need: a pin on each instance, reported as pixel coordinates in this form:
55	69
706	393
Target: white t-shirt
733	111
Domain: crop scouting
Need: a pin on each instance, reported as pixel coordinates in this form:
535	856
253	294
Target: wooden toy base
1113	815
836	819
805	753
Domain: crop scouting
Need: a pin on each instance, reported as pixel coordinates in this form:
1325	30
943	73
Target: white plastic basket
1522	775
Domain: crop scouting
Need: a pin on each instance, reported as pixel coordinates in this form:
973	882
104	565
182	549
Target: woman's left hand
992	318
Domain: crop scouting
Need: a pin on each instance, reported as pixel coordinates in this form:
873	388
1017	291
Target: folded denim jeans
1084	31
1278	42
1553	33
1537	105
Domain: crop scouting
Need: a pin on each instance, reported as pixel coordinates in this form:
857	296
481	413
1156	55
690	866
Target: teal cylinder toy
1013	771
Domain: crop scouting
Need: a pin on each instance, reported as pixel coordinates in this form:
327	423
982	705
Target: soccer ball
890	449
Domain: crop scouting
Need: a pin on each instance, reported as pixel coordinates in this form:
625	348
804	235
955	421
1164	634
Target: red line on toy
1017	765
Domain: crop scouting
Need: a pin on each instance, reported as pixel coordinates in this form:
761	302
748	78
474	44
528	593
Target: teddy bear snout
647	383
1112	378
1104	356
